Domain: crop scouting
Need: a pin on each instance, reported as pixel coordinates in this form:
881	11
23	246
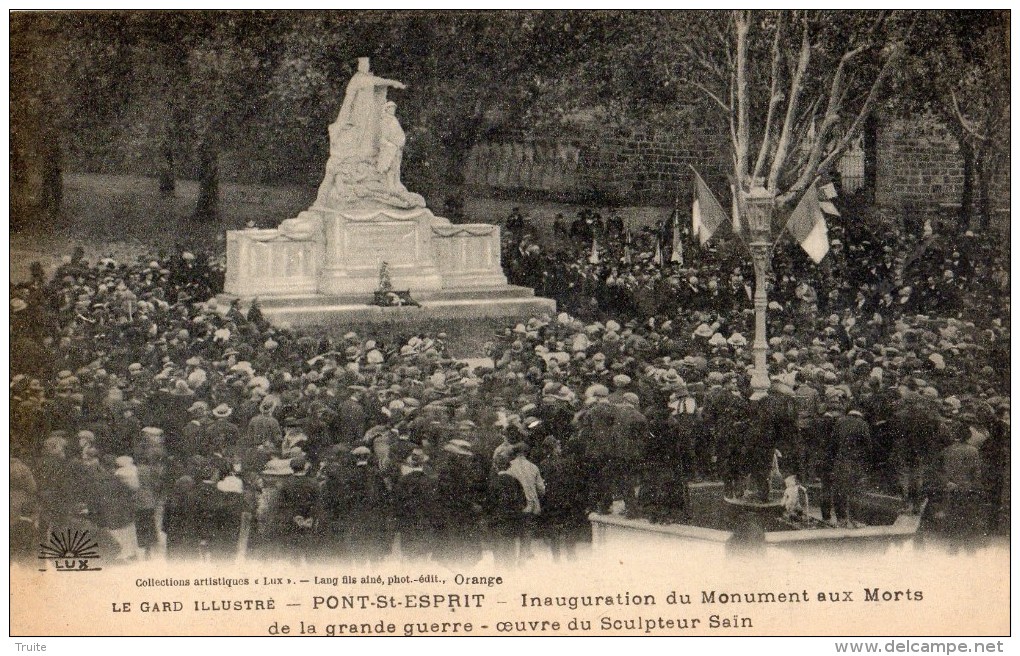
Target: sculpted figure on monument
365	148
391	149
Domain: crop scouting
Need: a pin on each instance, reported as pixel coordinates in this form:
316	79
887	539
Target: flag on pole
677	255
706	214
808	227
594	257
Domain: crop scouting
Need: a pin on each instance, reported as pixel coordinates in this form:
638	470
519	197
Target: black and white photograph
511	323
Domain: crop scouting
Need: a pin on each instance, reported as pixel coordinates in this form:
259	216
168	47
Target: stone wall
634	168
920	167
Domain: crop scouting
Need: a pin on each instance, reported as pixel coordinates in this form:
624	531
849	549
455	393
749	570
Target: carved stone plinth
358	244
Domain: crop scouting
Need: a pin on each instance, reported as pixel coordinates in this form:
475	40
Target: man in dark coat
844	465
564	507
222	435
350	422
726	416
354	508
460	495
180	521
629	439
595	433
772	421
414	502
916	430
960	481
297	509
505	512
192	440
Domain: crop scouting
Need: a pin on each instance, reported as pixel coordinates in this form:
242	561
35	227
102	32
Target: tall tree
959	72
794	87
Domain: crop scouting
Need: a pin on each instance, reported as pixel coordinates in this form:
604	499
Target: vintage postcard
511	323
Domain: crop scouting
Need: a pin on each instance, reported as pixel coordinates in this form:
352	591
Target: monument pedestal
322	267
358	243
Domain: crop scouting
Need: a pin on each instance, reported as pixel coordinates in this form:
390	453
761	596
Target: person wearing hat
113	482
354	508
222	435
960	479
727	418
618	452
564	516
294	437
191	440
918	434
179	521
594	430
513	433
806	408
995	453
296	509
170	407
414	502
264	427
148	497
845	463
58	479
556	410
218	512
505	511
460	496
351	419
760	443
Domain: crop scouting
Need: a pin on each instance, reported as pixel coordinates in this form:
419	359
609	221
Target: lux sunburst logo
70	551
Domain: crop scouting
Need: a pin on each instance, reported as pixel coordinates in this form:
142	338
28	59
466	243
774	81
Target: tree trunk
207	207
167	179
967	197
871	158
52	196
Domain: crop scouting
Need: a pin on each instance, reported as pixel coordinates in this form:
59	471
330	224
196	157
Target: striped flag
706	214
808	227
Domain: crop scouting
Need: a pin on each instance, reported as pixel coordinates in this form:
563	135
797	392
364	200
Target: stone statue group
366	147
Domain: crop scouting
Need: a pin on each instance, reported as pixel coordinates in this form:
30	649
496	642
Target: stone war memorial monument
324	264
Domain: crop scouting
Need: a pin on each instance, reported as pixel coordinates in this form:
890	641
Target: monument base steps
299	310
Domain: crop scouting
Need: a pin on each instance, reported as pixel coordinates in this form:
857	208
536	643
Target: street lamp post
758	208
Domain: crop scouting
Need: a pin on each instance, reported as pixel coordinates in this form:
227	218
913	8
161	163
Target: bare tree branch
699	57
967	125
708	92
829	119
775	98
796	89
743	25
814	166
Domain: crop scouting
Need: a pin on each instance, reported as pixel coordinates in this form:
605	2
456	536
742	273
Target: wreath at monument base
393	298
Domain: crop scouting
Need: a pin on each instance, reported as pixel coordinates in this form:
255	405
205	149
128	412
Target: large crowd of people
160	418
